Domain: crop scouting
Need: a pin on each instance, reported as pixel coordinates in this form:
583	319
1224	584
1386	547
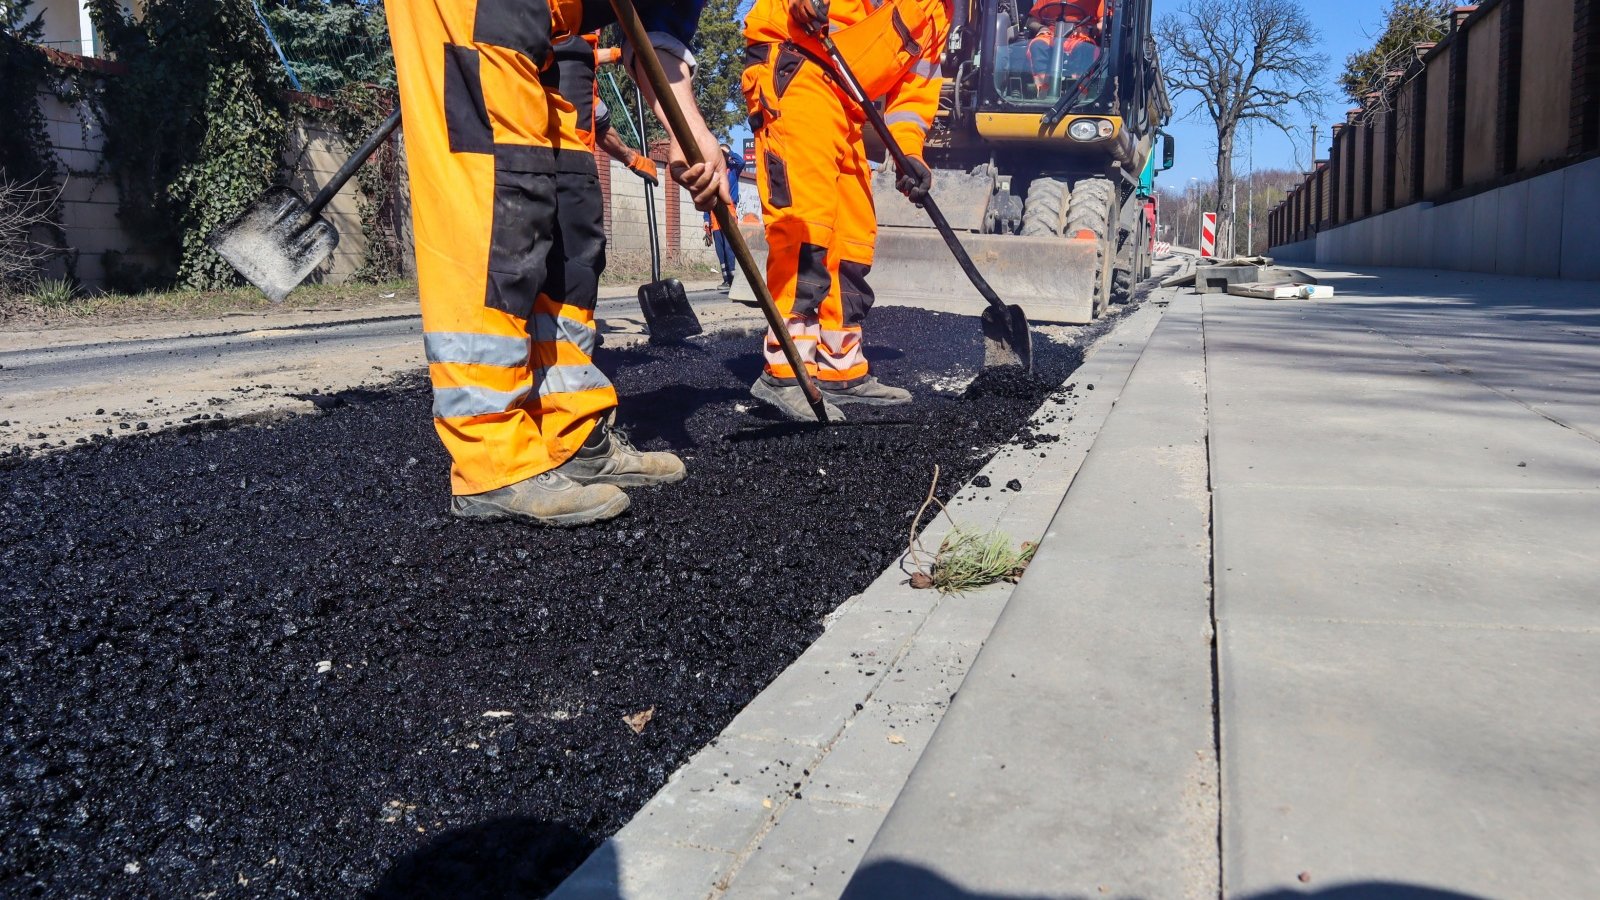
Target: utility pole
1250	198
1313	147
1199	210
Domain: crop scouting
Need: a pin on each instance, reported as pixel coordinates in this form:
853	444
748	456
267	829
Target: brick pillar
1335	181
1316	199
1455	144
1419	134
669	196
1351	150
1584	132
1505	116
1391	151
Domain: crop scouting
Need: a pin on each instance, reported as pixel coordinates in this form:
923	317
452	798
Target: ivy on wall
193	130
25	154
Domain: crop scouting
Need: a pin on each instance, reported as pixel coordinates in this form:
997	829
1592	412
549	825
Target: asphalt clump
251	660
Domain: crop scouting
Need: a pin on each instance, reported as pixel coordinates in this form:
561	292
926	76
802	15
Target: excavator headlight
1091	129
1083	130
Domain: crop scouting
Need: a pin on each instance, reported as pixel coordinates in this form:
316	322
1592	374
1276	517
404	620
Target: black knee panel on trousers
579	253
812	281
854	293
522	235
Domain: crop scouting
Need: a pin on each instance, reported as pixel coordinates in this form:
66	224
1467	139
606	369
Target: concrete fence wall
1459	167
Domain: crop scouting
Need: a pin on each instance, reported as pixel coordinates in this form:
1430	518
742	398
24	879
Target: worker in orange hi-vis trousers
812	171
506	209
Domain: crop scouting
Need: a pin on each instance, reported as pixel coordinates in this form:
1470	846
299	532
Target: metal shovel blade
667	313
276	242
1006	338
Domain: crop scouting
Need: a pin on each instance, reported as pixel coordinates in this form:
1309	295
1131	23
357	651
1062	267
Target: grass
968	560
61	302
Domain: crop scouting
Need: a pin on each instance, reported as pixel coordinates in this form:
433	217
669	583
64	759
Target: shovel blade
667	313
1006	338
275	242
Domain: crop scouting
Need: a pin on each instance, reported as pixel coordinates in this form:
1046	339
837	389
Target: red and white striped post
1208	235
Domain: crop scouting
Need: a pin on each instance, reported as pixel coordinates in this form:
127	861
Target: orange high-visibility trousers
816	200
811	165
508	247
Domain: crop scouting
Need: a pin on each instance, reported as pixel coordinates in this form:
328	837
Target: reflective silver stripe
912	118
549	328
475	349
458	402
569	379
925	69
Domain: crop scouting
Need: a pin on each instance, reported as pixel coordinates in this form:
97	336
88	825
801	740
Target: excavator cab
1054	52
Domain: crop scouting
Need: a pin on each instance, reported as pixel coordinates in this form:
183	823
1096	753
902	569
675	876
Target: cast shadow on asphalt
896	880
509	857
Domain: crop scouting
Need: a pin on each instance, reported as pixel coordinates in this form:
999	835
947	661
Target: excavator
1044	155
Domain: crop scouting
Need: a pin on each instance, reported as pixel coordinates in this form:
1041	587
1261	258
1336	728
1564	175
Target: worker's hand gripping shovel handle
853	87
628	18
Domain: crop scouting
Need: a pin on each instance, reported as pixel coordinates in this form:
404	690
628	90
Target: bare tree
1243	60
26	209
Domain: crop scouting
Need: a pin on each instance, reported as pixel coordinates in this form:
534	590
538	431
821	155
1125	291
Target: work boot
607	457
870	391
549	498
790	400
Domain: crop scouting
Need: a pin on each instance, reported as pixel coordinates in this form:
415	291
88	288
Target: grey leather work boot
870	391
607	457
550	498
789	399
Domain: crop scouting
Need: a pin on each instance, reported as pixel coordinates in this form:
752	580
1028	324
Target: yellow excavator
1044	155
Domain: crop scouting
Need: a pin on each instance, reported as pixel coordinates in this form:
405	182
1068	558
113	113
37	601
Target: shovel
628	18
280	238
667	313
1006	339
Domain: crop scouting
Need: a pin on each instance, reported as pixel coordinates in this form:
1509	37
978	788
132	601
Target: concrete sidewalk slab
1077	759
1406	554
1407	495
1409	756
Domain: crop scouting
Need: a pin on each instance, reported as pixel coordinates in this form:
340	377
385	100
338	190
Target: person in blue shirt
725	258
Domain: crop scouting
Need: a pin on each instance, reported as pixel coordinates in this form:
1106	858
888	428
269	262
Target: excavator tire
1090	210
1044	212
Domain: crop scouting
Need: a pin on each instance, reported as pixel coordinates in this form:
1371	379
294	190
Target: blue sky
1347	26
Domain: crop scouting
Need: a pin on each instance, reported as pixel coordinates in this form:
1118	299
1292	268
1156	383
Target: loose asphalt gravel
260	660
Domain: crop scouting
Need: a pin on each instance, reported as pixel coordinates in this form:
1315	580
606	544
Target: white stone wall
88	203
628	237
313	153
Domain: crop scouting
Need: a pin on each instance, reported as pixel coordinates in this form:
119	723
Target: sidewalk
1404	488
1318	614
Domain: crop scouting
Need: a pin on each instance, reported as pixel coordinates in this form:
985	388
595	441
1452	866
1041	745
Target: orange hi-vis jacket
892	46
